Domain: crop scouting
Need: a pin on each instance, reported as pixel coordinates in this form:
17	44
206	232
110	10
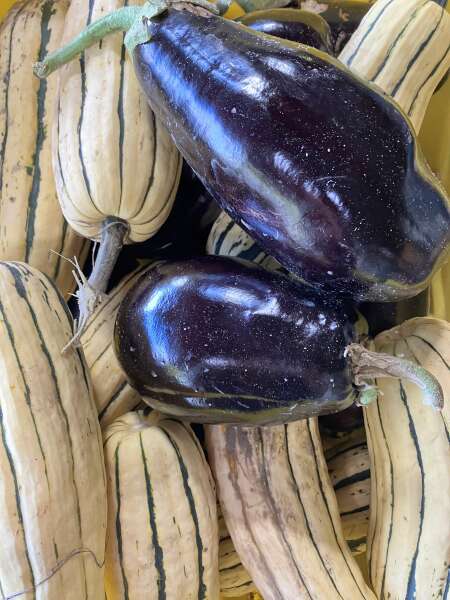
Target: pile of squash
103	497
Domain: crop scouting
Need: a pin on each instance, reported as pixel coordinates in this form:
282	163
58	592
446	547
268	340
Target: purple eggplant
221	340
216	339
318	166
292	24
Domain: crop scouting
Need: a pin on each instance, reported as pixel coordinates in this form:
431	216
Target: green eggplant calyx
366	395
139	32
132	19
368	365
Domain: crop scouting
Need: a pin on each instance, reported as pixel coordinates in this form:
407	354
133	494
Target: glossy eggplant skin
316	165
291	24
221	340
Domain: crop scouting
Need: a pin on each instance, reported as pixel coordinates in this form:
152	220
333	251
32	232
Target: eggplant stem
368	365
132	19
119	20
92	292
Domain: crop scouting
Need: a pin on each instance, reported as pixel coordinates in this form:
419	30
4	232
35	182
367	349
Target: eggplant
221	340
319	167
215	339
299	26
228	239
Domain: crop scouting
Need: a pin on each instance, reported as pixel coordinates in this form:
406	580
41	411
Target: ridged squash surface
52	478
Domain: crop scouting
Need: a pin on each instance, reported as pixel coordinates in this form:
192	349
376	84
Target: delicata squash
349	469
116	168
32	226
409	526
281	511
52	477
162	541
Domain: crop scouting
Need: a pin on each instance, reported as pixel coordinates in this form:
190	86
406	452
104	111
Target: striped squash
31	222
409	530
349	468
403	47
117	187
131	170
281	511
113	395
227	238
52	479
235	580
162	541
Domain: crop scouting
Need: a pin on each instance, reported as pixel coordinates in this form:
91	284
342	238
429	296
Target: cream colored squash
31	222
52	478
116	168
349	468
163	538
281	511
235	580
112	157
409	533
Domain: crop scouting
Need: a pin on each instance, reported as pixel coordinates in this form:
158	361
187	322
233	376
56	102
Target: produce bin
435	139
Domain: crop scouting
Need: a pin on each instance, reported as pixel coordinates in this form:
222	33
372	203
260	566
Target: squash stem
114	231
91	292
367	365
119	20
